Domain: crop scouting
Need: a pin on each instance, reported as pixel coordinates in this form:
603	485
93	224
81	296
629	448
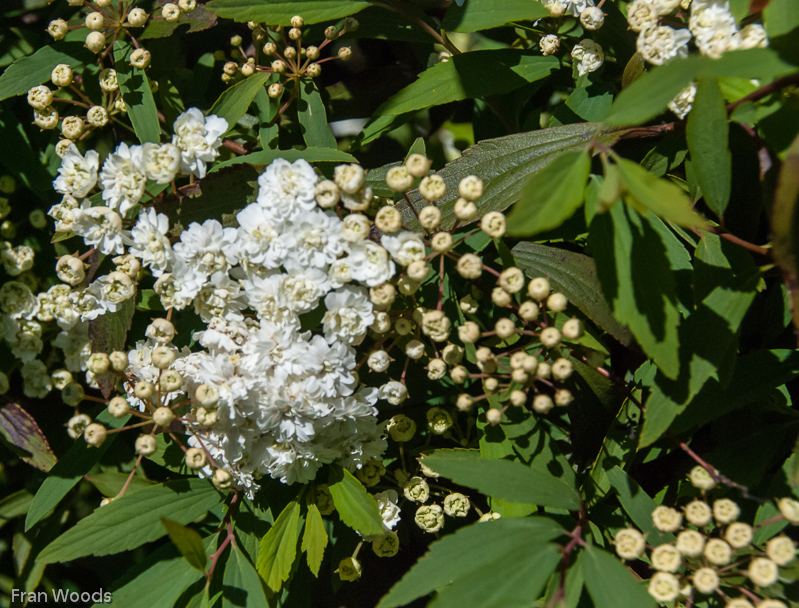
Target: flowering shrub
489	303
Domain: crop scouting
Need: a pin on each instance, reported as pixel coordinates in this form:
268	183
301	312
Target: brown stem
130	477
737	240
237	148
765	91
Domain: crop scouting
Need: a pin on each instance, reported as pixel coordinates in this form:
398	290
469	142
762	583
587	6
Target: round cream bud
493	416
58	29
505	328
459	374
40	97
170	380
557	8
436	369
378	361
327	193
140	59
144	390
706	580
403	326
62	147
270	48
490	385
432	188
95	434
630	543
418	165
511	280
563	397
562	369
550	337
187	6
538	288
344	53
452	354
518	398
430	217
95	21
72	394
471	187
103	3
97	117
98	363
531	365
592	18
161	330
469	332
331	32
456	505
465	210
70	269
230	68
118	407
763	572
408	286
416	489
349	178
441	242
146	445
664	587
725	511
295	33
789	508
572	329
469	266
137	17
72	127
700	478
666	558
529	310
401	428
222	479
195	458
162	356
349	569
312	53
549	44
500	297
418	270
382	323
388	219
542	403
718	552
170	11
62	75
95	42
519	376
46	119
108	80
429	518
77	424
738	535
771	603
163	416
314	70
781	550
517	359
698	513
119	361
666	519
469	305
493	224
557	302
464	402
274	91
351	24
119	106
297	21
690	543
61	378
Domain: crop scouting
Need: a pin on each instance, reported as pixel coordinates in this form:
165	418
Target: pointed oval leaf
785	225
234	102
21	430
137	94
135	520
279	547
314	540
188	542
356	507
313	119
476	15
27	72
241	584
610	584
280	12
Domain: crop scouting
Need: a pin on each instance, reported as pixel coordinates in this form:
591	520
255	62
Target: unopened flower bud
388	219
118	407
432	188
518	398
459	374
416	489
170	380
72	127
401	428
493	416
429	518
72	394
528	311
140	59
40	97
144	390
469	332
572	329
418	165
408	286
493	224
418	270
295	33
538	288
195	458
222	479
170	12
95	42
557	302
95	21
592	18
70	270
563	397
500	297
58	29
520	376
441	242
137	17
275	90
98	363
542	403
331	32
163	416
439	420
118	360
464	402
562	369
505	328
162	356
549	44
146	445
469	266
95	434
62	75
344	53
465	210
550	337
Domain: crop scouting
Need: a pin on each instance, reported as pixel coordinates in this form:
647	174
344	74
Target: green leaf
280	12
69	470
279	547
234	102
312	155
198	20
188	542
110	484
18	157
499	564
708	141
311	113
14	505
135	520
268	130
638	505
591	102
356	507
552	195
662	197
638	282
468	76
781	17
314	540
108	333
504	164
785	226
27	72
506	479
19	428
242	585
610	583
135	88
575	276
476	15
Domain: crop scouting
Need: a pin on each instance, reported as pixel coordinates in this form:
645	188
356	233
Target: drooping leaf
188	542
19	428
314	540
504	164
233	103
708	141
780	17
241	584
468	76
638	282
476	15
280	12
506	479
135	520
609	582
137	94
785	226
313	119
279	547
517	547
552	195
198	20
638	505
356	507
27	72
69	470
108	333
